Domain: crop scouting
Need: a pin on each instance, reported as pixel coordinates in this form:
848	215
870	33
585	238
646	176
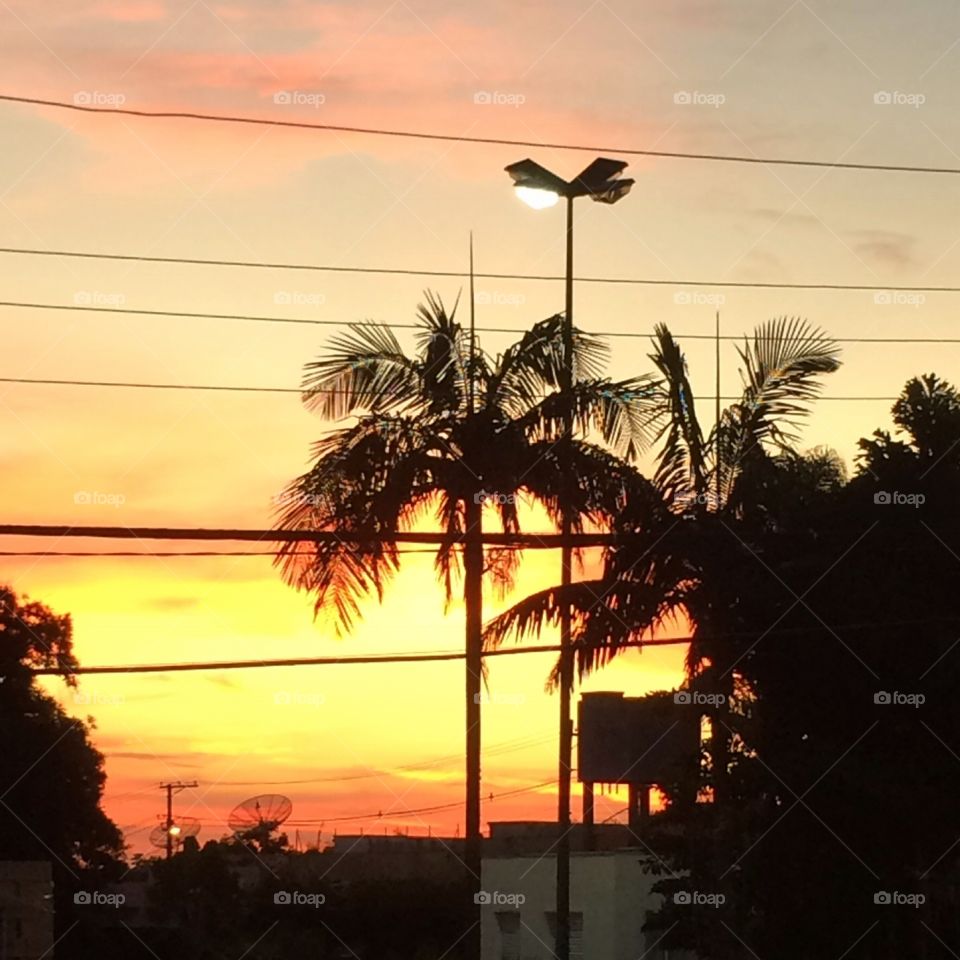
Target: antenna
473	332
258	817
716	428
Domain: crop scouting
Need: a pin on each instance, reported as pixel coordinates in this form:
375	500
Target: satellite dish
258	817
181	828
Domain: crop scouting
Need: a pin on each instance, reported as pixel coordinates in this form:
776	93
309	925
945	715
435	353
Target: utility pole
173	787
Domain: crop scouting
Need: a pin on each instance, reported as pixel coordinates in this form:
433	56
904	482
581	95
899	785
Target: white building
610	898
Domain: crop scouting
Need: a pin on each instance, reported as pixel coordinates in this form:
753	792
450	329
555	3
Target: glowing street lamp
540	189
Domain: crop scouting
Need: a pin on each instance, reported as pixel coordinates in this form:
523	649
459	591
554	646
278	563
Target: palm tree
689	525
446	430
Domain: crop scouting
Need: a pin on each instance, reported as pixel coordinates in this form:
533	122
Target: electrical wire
458	275
494	141
231	388
259	318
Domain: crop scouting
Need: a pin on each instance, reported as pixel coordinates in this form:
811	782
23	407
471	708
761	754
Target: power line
494	141
184	553
543	541
460	275
260	318
232	388
455	655
320	661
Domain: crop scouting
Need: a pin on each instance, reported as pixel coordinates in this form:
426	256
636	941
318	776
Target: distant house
610	897
26	910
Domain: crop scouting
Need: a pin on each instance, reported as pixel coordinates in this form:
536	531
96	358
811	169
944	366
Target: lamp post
539	188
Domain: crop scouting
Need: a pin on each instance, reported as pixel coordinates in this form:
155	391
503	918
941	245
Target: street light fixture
540	189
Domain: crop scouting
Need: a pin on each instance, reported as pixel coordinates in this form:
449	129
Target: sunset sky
842	81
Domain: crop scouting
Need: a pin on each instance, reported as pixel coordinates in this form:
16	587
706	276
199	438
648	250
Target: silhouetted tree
438	431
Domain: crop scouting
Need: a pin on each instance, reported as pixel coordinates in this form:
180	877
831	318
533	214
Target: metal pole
473	599
169	789
566	651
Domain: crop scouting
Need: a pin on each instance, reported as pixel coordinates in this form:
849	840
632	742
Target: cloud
886	247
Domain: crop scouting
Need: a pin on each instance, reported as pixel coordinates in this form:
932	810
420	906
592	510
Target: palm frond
367	481
444	349
362	369
783	365
782	369
681	464
625	413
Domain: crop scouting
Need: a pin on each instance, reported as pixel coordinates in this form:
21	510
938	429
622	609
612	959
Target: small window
509	923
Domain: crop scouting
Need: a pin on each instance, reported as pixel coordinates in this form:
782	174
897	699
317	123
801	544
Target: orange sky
801	80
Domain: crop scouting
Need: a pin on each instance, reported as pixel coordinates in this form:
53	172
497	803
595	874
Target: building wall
609	889
26	910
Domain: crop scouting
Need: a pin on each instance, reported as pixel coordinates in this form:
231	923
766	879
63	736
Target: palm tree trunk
473	599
